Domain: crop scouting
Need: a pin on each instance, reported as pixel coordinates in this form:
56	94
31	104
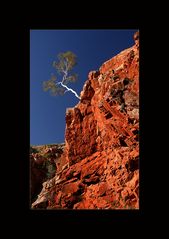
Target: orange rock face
101	155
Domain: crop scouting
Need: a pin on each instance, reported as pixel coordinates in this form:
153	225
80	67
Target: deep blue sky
92	47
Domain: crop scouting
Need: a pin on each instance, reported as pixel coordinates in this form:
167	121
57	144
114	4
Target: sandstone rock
99	168
70	188
43	166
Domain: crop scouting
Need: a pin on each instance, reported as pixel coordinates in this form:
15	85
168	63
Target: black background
17	79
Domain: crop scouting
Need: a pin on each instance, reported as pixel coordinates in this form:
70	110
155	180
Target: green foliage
65	63
54	89
72	78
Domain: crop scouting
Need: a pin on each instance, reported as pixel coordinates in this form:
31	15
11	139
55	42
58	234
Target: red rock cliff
99	168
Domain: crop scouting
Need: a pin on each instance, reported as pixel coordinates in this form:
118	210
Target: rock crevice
102	141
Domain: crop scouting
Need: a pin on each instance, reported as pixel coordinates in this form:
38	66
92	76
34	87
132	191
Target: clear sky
92	47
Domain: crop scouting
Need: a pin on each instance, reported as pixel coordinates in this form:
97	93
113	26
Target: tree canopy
64	65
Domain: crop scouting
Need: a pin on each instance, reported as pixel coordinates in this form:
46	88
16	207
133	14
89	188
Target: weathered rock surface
43	163
99	168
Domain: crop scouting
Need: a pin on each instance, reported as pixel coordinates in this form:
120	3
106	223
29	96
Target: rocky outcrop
43	164
99	168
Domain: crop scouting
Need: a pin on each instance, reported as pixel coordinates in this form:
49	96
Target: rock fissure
98	167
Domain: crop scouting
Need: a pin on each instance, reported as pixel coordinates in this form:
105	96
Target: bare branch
69	89
66	61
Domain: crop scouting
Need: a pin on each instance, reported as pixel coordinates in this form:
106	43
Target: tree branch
68	89
65	76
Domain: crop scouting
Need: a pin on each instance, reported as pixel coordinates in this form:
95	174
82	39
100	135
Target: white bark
65	86
69	89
